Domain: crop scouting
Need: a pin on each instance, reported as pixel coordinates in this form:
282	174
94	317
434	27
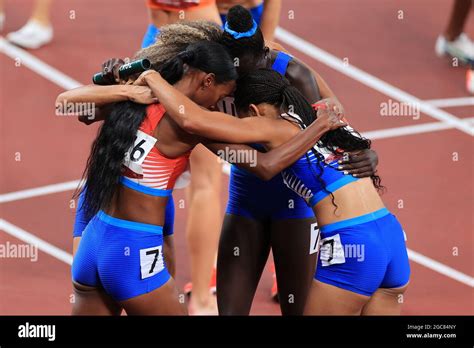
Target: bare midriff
131	205
355	199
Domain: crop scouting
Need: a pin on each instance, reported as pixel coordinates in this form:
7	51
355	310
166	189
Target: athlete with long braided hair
349	210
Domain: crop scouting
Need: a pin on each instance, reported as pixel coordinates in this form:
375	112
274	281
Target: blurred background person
37	31
2	15
454	42
162	12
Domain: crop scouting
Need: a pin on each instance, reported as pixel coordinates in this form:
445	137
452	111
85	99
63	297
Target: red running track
39	148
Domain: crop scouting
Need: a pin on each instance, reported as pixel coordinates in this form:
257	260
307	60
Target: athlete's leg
203	226
161	301
41	12
385	302
2	15
459	14
326	299
243	251
169	254
290	241
93	301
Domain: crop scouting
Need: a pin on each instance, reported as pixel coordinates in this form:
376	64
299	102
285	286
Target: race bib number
332	251
136	155
315	239
151	261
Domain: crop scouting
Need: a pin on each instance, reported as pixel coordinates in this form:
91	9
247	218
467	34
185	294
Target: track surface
39	148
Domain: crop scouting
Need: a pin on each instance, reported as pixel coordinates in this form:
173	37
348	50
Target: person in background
266	13
2	15
37	31
163	12
454	42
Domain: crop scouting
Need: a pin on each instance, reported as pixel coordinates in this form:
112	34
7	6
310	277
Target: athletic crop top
146	169
302	176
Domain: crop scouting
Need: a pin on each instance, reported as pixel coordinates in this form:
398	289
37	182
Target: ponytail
173	70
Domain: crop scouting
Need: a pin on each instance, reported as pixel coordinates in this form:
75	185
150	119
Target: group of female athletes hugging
309	165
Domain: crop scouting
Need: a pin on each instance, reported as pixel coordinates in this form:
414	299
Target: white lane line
377	134
37	65
441	268
67	258
451	102
30	238
409	130
39	191
369	80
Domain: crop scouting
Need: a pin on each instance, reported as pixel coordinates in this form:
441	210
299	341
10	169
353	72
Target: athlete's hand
141	95
141	81
327	117
359	163
110	70
334	105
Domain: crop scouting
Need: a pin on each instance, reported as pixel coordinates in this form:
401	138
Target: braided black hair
117	134
268	86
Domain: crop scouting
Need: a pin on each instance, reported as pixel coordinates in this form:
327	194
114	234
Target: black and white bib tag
151	261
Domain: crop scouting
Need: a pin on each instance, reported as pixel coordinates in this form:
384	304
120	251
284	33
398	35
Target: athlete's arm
308	81
275	46
270	18
214	125
101	99
268	164
102	95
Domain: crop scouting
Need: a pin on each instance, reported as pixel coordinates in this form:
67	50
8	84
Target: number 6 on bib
136	155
